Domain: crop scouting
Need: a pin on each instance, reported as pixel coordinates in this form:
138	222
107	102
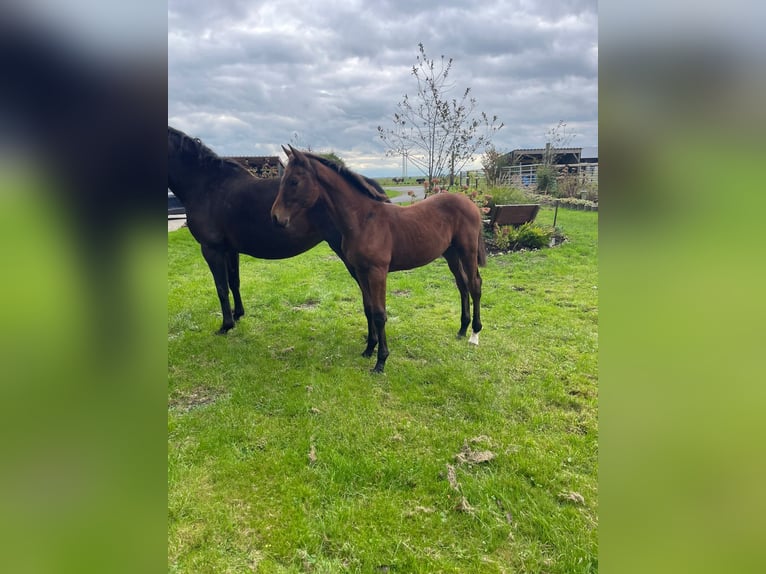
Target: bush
575	185
527	236
502	238
530	236
546	179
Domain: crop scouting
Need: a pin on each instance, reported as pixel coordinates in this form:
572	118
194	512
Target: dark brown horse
228	211
379	237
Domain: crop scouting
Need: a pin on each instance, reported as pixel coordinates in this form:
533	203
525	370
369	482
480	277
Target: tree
435	133
332	156
555	139
296	140
493	162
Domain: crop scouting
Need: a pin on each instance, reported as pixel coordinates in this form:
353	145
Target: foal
378	237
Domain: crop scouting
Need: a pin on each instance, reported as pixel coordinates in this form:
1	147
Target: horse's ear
297	154
287	151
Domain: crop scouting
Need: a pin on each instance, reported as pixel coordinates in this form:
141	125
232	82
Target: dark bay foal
379	237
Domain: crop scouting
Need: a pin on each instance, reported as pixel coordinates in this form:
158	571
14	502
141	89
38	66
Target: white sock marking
474	340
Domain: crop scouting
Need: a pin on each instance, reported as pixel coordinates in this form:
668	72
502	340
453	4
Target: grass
286	454
392	193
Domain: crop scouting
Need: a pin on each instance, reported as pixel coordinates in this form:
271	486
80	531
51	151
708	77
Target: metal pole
555	213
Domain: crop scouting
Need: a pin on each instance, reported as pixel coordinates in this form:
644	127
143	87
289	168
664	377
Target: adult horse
379	237
228	211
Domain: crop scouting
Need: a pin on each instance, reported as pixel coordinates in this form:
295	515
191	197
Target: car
175	207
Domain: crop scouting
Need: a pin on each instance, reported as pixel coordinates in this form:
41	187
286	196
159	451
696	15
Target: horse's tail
481	256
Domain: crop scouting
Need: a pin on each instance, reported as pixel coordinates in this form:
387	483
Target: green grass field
286	454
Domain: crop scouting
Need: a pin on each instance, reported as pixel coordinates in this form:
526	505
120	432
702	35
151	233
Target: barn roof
563	155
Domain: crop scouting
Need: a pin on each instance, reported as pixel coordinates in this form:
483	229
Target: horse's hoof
367	353
474	340
461	334
223	330
378	370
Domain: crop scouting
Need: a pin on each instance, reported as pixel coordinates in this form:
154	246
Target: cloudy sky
248	76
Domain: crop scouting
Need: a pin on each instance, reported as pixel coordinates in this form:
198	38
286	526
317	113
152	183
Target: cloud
246	78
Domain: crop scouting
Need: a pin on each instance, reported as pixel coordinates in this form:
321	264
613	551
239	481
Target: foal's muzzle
279	221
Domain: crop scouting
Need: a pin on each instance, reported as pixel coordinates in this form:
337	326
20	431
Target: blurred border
83	296
681	381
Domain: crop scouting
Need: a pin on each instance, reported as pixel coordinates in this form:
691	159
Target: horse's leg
216	260
376	281
470	263
453	260
475	287
372	337
372	332
232	260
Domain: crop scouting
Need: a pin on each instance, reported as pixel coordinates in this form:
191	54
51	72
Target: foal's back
424	231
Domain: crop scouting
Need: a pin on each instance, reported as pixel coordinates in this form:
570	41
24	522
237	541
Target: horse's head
298	189
190	151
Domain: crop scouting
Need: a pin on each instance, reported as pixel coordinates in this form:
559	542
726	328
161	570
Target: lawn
285	454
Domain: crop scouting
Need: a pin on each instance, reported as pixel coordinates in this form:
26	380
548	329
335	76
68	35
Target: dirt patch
574	497
307	305
420	509
401	292
312	456
464	506
469	456
584	393
188	399
452	478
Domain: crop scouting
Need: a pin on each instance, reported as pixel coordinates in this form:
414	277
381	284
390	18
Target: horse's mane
365	185
204	155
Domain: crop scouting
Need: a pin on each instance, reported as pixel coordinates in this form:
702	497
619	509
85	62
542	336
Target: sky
248	76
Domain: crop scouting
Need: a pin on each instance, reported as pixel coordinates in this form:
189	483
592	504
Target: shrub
546	179
502	238
532	236
493	162
575	185
527	236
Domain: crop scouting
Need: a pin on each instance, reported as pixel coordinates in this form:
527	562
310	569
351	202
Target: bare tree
555	139
296	140
493	162
438	135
